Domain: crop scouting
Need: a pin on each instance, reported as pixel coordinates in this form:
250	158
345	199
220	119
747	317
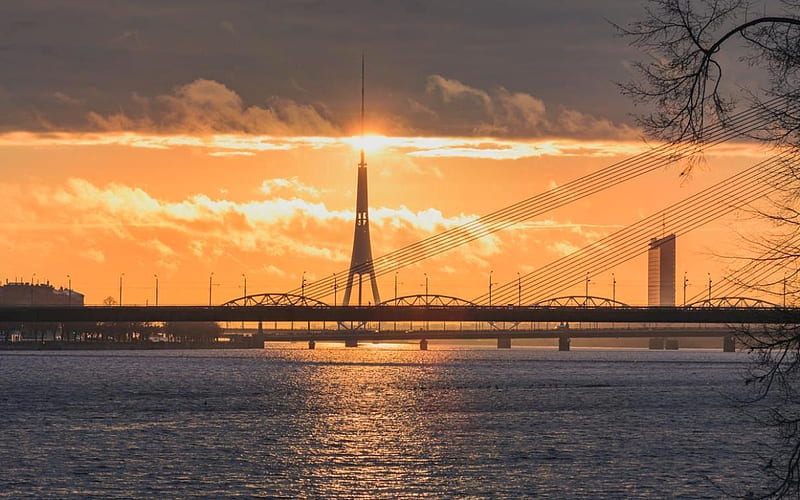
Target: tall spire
361	260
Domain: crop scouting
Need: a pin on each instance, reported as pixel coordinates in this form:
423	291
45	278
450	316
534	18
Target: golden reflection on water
370	425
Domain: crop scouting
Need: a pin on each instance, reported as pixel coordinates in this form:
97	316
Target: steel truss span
580	301
275	299
743	302
428	300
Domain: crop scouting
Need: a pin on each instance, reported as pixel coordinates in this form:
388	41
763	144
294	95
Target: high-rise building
661	271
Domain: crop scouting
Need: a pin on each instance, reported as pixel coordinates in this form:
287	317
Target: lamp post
69	290
120	288
709	286
32	276
156	277
335	287
490	287
587	286
519	289
244	287
303	285
685	284
210	283
613	288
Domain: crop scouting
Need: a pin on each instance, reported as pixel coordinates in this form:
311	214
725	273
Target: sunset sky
181	138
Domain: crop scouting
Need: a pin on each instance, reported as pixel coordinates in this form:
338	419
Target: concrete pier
312	345
351	343
729	344
423	345
504	342
656	344
563	343
671	344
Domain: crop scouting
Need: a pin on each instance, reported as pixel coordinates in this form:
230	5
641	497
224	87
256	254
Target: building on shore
39	294
661	271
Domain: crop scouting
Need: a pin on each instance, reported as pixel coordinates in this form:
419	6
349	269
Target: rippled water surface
373	422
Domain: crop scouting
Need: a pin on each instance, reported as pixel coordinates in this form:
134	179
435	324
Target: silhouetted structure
661	271
42	294
361	260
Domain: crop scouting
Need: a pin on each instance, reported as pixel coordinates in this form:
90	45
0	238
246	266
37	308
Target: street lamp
613	288
210	282
69	290
426	288
335	287
120	288
32	276
685	284
709	286
244	287
519	289
156	277
490	287
587	286
303	285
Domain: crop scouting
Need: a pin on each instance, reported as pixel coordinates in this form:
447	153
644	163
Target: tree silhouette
690	46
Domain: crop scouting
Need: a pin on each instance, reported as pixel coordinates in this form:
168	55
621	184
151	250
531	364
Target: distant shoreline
122	346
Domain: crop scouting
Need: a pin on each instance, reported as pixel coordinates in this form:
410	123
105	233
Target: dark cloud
61	60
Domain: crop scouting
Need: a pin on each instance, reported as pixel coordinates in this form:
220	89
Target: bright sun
369	143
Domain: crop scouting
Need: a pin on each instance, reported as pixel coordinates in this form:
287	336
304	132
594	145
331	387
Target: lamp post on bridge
210	284
32	276
613	289
587	288
335	287
685	284
156	278
709	287
303	286
120	288
490	287
69	290
519	289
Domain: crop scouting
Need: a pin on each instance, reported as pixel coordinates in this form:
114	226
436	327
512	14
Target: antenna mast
363	161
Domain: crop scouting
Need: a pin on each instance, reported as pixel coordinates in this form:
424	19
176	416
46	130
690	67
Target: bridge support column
423	345
729	343
656	344
563	343
260	328
671	344
351	342
504	342
312	345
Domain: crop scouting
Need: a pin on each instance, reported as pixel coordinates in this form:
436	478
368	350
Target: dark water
373	422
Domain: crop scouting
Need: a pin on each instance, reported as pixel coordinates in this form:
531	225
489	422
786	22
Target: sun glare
370	143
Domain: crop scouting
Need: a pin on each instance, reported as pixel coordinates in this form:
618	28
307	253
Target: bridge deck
728	315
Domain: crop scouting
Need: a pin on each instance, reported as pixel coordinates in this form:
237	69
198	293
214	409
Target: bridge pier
504	342
563	343
656	344
671	344
351	342
312	345
260	328
729	343
423	345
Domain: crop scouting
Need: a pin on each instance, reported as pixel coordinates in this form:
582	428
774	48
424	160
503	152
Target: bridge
453	318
